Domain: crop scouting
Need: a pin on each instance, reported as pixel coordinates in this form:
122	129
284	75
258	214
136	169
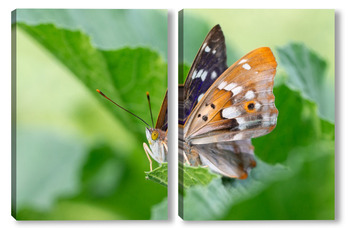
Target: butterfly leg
186	159
147	151
165	146
164	151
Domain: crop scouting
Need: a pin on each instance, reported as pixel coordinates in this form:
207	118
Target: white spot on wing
269	120
207	49
213	75
230	112
200	97
230	86
222	85
257	105
266	117
204	75
241	123
249	95
247	66
236	90
274	119
214	51
240	120
239	136
242	61
204	45
194	74
199	73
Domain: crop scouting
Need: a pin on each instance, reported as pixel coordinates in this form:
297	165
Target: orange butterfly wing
239	105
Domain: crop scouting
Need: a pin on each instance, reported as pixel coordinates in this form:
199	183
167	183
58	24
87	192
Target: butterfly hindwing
239	104
232	159
208	65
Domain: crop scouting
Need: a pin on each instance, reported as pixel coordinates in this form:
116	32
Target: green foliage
307	74
212	201
160	211
159	174
117	73
109	29
77	167
191	176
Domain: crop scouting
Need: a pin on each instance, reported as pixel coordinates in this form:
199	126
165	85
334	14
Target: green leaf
298	124
108	183
160	211
190	176
159	174
307	74
213	201
124	75
125	28
308	193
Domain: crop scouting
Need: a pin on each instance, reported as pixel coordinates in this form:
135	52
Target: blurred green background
77	155
294	177
247	29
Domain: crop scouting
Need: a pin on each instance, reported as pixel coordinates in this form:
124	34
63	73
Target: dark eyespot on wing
251	106
205	118
234	124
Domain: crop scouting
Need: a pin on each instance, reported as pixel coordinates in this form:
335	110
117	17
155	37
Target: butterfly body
157	141
230	110
157	137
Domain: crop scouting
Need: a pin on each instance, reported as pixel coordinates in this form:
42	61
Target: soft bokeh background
294	178
246	29
77	155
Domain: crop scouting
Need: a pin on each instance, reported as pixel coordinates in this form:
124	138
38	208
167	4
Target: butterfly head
154	135
157	141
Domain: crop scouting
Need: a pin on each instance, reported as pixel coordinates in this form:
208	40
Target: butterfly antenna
150	109
121	107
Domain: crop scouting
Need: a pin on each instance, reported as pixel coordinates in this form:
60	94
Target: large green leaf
306	194
110	180
298	124
126	28
307	74
214	200
124	75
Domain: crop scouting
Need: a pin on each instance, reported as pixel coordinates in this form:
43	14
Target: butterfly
157	136
221	109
